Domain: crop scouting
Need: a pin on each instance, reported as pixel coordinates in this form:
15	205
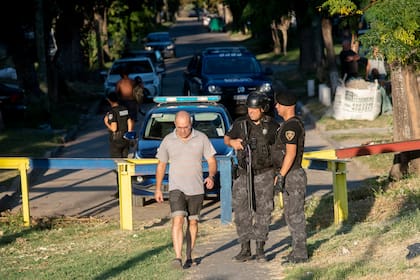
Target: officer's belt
242	171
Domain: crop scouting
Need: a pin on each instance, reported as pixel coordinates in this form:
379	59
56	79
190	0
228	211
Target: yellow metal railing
327	160
22	164
321	160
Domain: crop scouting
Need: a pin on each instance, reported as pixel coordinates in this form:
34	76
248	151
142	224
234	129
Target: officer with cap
290	177
251	136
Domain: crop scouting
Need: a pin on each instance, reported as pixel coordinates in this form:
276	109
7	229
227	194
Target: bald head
182	116
183	124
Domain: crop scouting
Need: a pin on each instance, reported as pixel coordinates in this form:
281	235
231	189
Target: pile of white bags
357	100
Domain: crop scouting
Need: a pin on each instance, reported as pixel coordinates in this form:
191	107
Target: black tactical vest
121	114
278	150
259	139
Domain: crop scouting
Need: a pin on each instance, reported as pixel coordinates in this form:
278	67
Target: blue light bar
185	99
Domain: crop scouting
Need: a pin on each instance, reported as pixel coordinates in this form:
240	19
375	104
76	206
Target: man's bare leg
191	236
177	235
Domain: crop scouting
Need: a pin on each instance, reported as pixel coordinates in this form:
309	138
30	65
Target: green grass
384	219
60	249
28	142
329	123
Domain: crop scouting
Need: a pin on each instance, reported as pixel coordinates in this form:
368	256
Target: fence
328	160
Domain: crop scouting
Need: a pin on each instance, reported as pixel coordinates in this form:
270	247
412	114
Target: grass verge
61	248
384	222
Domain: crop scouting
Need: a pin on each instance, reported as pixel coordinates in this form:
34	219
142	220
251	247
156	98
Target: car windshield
140	66
231	65
158	38
160	125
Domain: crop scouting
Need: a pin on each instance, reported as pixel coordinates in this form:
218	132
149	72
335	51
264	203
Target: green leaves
395	27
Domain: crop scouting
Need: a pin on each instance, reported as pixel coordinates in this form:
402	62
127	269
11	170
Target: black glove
279	186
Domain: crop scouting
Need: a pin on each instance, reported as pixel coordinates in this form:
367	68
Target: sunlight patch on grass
382	121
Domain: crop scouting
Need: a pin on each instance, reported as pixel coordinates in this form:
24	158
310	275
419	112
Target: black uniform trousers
252	225
294	201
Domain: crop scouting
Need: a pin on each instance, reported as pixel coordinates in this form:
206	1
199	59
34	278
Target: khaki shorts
185	205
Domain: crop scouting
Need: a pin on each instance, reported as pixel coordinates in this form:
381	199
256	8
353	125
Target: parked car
154	55
12	101
161	41
231	72
135	66
208	116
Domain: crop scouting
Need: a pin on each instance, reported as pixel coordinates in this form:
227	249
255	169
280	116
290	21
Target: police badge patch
290	134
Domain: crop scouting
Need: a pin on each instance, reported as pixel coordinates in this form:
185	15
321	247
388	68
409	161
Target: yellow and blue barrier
328	160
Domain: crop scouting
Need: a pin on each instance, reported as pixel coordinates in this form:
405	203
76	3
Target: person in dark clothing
290	177
254	134
116	120
349	61
124	89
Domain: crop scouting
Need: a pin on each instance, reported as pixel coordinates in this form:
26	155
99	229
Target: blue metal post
225	168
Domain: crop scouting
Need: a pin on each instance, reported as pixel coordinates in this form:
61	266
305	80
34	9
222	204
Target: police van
231	72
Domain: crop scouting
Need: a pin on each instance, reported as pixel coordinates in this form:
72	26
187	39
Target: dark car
154	55
208	116
161	41
12	101
231	72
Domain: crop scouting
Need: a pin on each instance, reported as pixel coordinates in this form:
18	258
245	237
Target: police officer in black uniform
251	137
290	177
116	120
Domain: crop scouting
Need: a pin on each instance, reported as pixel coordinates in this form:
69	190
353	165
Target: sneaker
176	263
190	262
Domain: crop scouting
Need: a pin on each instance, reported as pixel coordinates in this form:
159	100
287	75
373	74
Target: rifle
249	176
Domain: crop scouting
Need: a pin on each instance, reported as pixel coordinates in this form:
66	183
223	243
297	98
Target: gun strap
249	175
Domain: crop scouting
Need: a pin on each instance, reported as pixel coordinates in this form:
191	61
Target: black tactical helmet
258	100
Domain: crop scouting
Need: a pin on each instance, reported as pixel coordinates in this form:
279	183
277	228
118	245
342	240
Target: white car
135	66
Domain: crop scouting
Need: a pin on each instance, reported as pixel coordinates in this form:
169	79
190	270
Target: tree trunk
330	53
406	117
98	24
275	37
70	57
306	59
284	26
41	40
104	35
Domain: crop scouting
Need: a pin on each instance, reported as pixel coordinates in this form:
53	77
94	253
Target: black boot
245	253
260	251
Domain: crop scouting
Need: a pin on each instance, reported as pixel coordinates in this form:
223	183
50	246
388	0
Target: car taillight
14	98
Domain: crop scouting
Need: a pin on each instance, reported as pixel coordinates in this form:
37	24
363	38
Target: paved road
89	192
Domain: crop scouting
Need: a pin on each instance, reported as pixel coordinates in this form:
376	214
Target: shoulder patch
110	116
289	134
